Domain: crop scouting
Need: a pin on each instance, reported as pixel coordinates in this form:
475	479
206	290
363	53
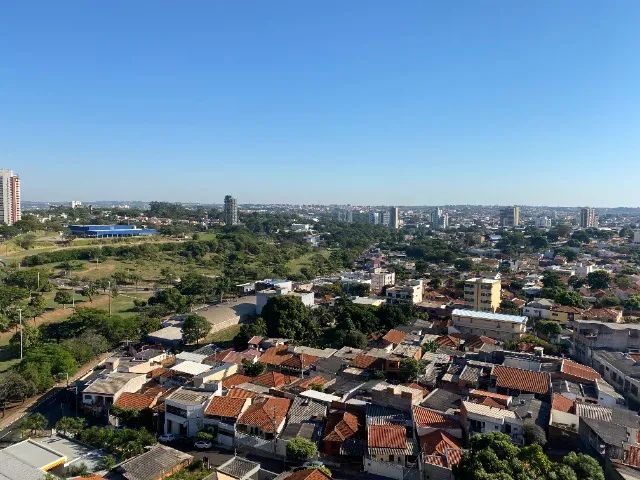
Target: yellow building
482	294
494	325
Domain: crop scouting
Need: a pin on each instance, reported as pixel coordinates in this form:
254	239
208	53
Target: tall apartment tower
588	217
395	217
374	218
10	205
385	218
510	216
230	210
439	219
482	294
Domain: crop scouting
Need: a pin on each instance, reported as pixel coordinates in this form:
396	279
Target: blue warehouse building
101	231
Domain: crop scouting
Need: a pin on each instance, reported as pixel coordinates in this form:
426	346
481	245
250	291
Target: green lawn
224	337
296	264
190	473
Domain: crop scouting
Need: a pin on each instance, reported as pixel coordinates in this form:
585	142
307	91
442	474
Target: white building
102	392
10	204
307	298
184	412
543	222
538	309
636	236
380	279
76	203
411	292
495	325
486	419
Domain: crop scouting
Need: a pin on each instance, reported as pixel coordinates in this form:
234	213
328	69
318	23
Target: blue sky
364	102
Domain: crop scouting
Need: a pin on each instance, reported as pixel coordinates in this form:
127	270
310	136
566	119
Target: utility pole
20	321
109	297
38	276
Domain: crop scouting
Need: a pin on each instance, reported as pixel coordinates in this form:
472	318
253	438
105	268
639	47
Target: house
238	468
411	292
103	391
299	363
184	412
272	379
391	452
343	434
622	371
427	421
564	314
591	335
304	419
601	315
515	381
393	338
538	309
495	325
440	452
156	463
305	474
265	418
607	431
222	413
480	418
395	396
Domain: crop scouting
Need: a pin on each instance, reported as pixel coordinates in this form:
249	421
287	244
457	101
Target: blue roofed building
103	231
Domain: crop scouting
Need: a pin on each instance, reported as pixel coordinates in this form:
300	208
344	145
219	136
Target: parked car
167	437
202	445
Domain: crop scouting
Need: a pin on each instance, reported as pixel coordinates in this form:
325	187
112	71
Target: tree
435	283
194	328
409	369
248	330
299	448
253	369
172	299
463	264
533	434
63	297
33	423
14	387
89	291
31	337
551	279
430	346
72	425
548	328
286	317
599	279
26	241
585	466
633	302
355	339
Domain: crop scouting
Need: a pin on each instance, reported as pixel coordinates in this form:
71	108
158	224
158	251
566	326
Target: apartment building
184	411
230	210
592	335
510	216
495	325
622	371
411	292
395	217
482	294
588	217
10	203
380	279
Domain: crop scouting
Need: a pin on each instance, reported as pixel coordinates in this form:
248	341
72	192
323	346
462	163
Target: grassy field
305	260
224	337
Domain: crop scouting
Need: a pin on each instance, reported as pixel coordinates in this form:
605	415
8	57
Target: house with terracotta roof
265	418
393	338
274	356
272	379
343	434
391	451
305	474
298	363
427	420
514	381
222	414
440	452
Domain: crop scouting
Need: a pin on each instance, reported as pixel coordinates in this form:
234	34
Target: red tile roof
446	449
425	417
308	474
135	401
490	402
387	436
522	380
307	383
417	387
365	362
394	336
341	426
563	404
275	355
235	379
576	369
255	340
273	379
225	406
266	414
448	341
299	361
241	393
632	456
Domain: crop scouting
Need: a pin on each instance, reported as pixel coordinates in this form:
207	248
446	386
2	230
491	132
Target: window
391	459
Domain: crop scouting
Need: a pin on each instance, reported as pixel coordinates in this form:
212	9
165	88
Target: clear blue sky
366	102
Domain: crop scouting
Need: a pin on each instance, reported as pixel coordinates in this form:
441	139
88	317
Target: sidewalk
14	414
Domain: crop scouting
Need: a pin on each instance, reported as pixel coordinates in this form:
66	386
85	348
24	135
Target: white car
202	445
167	437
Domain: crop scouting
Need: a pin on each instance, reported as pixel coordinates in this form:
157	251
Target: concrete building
230	210
543	222
184	412
411	292
344	215
592	335
374	218
10	204
588	217
380	279
510	216
385	218
439	219
483	293
395	218
538	309
636	236
262	297
76	203
494	325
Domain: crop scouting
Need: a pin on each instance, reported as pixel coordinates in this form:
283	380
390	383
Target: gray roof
610	433
238	467
189	397
109	384
442	400
12	468
379	415
305	409
536	411
154	463
501	317
620	361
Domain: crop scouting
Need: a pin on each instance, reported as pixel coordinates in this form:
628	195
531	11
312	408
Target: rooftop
501	317
110	383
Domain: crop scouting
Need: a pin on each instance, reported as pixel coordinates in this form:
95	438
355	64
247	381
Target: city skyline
499	104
